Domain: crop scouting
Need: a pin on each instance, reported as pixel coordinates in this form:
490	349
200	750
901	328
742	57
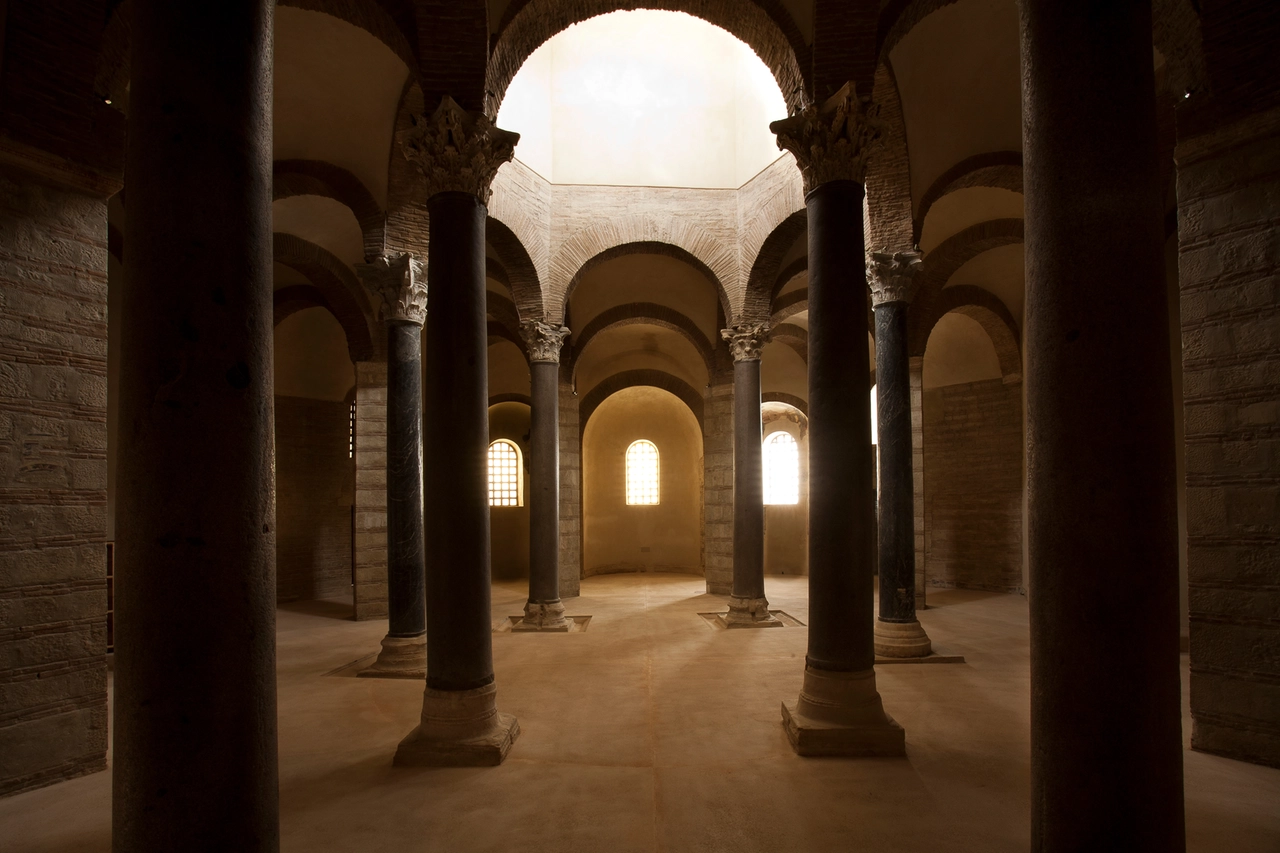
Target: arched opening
509	489
786	489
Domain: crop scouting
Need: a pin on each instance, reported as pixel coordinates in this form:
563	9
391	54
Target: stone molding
399	282
893	276
746	340
544	340
834	141
458	151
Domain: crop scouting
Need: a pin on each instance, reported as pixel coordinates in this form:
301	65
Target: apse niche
644	98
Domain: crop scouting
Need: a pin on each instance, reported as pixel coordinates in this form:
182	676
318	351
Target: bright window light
642	473
504	474
781	470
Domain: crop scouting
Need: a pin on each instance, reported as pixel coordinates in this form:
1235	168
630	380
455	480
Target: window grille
781	470
642	473
504	474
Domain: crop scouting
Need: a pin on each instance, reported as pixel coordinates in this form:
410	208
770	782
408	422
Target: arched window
781	469
642	473
505	472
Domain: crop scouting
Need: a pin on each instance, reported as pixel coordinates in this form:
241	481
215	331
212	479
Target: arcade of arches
410	432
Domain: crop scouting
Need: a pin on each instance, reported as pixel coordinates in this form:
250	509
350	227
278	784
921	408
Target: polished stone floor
652	731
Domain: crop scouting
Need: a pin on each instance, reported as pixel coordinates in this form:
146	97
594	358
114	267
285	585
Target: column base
401	657
749	613
901	640
840	714
543	616
459	728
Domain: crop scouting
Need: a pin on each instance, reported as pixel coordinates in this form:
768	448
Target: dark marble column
458	153
194	765
544	612
893	282
398	284
839	711
1106	722
748	607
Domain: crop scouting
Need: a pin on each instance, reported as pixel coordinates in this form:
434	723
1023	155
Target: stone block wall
570	490
370	596
916	368
717	479
1229	268
315	490
973	486
53	483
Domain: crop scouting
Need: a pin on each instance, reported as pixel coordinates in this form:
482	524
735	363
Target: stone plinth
401	657
749	613
459	728
547	616
840	714
901	639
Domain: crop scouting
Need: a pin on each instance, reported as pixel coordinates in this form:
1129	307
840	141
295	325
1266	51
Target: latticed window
642	473
781	469
504	474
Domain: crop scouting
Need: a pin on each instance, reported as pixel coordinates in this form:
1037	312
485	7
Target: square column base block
401	657
543	616
749	613
901	640
459	728
840	714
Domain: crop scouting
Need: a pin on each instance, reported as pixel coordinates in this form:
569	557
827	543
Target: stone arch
630	379
315	177
608	239
648	313
888	224
112	79
762	281
998	169
341	290
521	274
765	25
990	313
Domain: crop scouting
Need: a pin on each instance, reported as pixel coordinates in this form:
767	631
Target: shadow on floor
321	607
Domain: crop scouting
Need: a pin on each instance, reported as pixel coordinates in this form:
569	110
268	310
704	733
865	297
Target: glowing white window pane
504	474
642	473
781	469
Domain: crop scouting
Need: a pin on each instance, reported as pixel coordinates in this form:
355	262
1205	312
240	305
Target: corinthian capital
893	276
834	141
457	151
544	340
746	341
399	283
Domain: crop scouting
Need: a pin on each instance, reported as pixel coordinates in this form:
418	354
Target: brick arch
644	313
112	79
766	267
790	271
406	215
998	169
632	378
786	399
499	331
521	274
524	399
340	288
503	310
679	238
943	262
790	305
991	314
288	301
764	25
793	336
315	177
888	224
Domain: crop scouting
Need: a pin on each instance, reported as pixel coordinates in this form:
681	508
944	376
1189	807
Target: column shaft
544	481
748	483
841	585
897	525
455	448
406	581
1106	739
194	764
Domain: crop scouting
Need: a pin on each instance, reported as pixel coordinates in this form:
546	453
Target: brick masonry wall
371	490
973	486
1229	268
53	482
717	479
315	488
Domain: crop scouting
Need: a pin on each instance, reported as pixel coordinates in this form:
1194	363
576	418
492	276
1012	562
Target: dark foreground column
544	612
839	711
399	285
748	607
1106	733
195	709
893	281
458	154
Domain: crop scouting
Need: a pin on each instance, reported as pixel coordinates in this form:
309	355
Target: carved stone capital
832	141
893	276
457	151
544	340
399	283
746	341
